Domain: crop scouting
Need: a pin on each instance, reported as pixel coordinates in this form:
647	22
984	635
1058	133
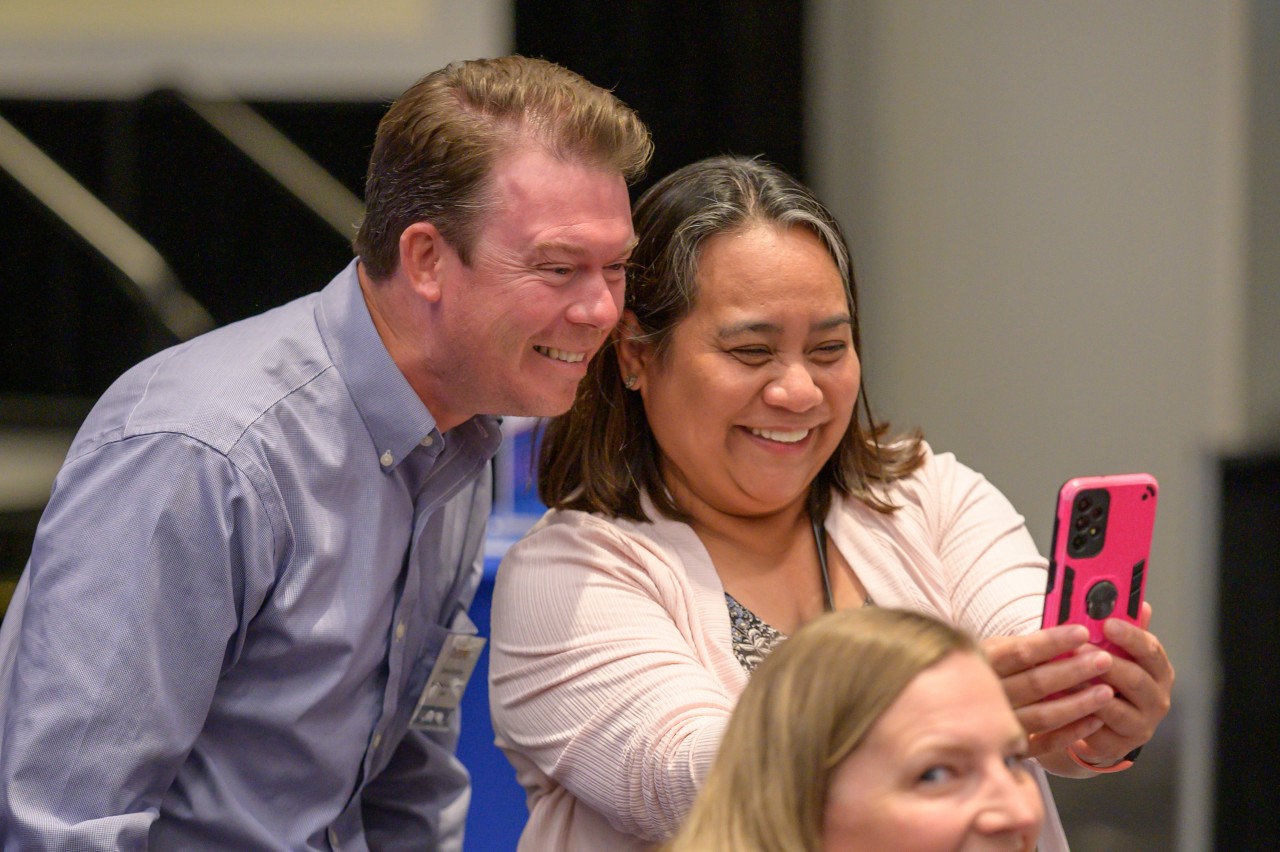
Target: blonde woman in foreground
868	730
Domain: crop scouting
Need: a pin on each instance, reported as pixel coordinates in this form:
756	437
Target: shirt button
387	459
428	441
400	630
377	740
333	838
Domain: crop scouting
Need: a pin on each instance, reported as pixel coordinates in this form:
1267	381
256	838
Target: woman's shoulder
935	471
937	487
586	555
568	532
555	522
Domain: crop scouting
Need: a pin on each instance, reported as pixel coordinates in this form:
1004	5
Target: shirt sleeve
995	575
598	678
136	581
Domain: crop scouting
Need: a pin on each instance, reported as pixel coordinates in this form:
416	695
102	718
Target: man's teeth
561	354
790	436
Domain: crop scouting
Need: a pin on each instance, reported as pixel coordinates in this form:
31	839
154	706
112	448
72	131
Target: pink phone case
1101	544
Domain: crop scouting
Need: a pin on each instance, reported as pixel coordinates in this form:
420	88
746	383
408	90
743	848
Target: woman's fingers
1045	664
1010	655
1143	688
1065	710
1048	742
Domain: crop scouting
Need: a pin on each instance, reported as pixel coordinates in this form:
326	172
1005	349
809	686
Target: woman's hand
1143	687
1059	707
1052	697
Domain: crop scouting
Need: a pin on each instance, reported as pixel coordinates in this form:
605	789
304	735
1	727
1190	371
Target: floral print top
753	639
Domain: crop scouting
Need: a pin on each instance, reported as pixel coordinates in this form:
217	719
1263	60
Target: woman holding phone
719	482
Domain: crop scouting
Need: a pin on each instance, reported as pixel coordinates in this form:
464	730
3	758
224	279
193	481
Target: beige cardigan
612	674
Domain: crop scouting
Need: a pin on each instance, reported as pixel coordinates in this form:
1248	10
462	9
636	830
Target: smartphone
1101	547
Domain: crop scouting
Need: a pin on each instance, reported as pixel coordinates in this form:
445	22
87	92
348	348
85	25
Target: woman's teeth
790	436
561	354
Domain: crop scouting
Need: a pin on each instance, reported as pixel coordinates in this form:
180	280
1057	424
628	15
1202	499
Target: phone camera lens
1078	542
1096	513
1082	522
1083	504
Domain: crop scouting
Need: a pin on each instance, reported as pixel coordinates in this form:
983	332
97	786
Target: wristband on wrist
1120	766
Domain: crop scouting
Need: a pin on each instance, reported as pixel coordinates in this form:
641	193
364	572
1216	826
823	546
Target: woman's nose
794	390
1013	805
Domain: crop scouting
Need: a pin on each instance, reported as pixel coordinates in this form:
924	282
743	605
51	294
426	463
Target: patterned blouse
753	639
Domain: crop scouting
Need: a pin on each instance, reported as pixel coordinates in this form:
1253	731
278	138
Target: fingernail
1095	658
1077	632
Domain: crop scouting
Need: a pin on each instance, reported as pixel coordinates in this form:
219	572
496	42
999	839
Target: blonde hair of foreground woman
811	703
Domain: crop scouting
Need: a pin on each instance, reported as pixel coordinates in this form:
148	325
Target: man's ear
634	355
423	252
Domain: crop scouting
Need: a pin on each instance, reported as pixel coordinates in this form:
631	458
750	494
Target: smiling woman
719	482
869	730
755	388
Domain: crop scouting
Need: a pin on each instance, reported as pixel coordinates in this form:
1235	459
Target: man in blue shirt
263	539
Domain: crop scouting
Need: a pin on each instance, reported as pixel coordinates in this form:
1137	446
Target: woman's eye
937	775
831	350
1016	763
751	354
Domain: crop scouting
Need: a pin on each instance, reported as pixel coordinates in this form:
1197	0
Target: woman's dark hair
601	455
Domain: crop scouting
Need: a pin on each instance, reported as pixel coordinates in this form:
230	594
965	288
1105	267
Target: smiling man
249	589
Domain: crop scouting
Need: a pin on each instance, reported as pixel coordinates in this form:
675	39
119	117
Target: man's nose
598	302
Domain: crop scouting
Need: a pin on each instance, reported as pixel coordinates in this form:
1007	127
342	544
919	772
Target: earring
630	382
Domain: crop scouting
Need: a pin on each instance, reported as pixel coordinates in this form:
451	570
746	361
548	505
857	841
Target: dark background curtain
708	78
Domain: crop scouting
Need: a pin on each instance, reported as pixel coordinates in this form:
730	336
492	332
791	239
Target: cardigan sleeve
600	675
954	548
994	574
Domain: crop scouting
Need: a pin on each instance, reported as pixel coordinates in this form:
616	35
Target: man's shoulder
216	387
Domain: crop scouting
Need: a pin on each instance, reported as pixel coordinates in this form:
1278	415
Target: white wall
1047	209
326	49
1263	268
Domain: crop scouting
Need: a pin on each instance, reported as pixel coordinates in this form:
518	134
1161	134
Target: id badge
442	694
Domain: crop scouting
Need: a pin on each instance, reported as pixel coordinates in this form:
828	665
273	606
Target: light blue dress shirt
255	549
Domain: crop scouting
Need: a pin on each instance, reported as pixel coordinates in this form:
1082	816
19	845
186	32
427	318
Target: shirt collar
396	418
